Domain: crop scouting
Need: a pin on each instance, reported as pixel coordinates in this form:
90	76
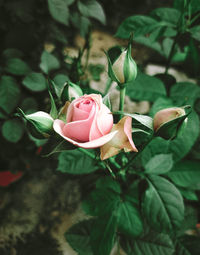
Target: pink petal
80	130
58	127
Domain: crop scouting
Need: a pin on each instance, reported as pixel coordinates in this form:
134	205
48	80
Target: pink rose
88	122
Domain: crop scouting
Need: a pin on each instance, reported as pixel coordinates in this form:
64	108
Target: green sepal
112	55
130	67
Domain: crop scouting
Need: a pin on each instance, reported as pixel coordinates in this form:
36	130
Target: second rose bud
121	66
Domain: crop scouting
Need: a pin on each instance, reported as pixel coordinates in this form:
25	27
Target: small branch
169	60
86	152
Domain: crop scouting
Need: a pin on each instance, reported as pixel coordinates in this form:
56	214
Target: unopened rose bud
40	124
71	91
167	122
121	66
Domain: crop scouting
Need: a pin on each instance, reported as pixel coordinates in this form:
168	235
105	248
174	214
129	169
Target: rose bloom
89	124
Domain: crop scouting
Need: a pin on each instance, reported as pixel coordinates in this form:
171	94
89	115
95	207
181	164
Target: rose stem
112	160
91	155
122	98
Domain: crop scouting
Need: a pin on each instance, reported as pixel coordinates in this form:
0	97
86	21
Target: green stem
122	98
86	152
102	164
169	60
112	160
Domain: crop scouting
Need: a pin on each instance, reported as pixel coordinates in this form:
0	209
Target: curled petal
59	126
121	140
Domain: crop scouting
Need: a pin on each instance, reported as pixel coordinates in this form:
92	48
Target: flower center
85	105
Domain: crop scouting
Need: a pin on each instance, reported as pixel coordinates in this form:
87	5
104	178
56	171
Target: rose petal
58	127
122	140
79	130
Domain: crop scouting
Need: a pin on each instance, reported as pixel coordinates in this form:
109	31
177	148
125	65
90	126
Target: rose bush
89	124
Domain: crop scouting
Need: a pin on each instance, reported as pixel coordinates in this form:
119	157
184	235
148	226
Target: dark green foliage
150	243
75	162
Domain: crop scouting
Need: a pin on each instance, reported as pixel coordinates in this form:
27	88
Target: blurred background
64	40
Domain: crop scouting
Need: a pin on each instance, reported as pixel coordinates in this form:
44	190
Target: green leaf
59	10
35	82
163	204
48	62
180	146
169	15
29	105
191	243
186	174
12	53
53	111
12	130
183	93
156	146
59	82
195	32
81	23
194	5
9	94
150	243
103	235
75	162
138	25
129	221
101	202
159	164
17	66
142	119
78	236
108	182
190	220
180	249
91	8
61	147
193	58
146	87
188	194
148	42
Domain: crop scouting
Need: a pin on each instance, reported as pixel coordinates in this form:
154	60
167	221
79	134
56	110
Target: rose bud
40	124
71	91
168	122
121	67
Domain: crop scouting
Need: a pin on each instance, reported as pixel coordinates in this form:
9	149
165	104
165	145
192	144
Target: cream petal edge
58	125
